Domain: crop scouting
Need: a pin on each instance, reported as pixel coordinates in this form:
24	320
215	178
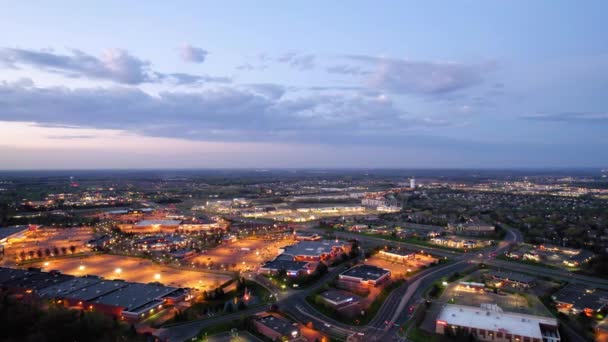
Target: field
246	254
135	270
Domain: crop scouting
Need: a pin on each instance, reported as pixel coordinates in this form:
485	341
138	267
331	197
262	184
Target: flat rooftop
287	265
135	295
366	272
62	289
9	274
491	317
96	290
278	324
36	280
314	248
518	277
339	296
581	297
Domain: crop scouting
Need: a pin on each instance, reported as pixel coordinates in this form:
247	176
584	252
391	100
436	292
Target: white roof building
490	323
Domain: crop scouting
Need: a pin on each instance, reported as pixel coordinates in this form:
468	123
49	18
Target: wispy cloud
404	76
570	117
116	65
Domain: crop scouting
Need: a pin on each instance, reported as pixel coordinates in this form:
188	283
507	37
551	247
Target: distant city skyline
235	84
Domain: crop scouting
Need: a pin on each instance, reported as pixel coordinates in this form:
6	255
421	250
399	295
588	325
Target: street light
157	276
81	267
118	270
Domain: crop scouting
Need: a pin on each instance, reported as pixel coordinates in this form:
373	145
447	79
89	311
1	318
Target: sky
304	84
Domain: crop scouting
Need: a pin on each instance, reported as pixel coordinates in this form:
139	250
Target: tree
72	249
47	252
55	251
64	250
39	253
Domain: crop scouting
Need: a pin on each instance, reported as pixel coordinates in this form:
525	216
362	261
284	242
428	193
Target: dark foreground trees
27	320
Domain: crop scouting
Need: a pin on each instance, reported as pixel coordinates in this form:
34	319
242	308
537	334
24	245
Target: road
393	313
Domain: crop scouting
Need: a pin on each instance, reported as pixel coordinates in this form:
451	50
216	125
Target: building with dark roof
397	254
135	300
61	290
276	328
513	279
129	301
338	299
32	281
291	267
317	250
578	298
363	276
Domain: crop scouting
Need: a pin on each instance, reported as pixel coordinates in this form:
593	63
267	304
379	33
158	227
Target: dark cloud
192	54
570	117
115	65
297	61
259	112
403	76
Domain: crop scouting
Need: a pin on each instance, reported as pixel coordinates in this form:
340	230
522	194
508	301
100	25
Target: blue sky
304	84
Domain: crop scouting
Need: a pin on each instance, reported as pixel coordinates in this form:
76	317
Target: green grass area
416	334
239	324
370	312
215	301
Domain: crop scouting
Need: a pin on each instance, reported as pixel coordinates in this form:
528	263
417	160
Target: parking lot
401	268
63	239
133	269
246	254
520	303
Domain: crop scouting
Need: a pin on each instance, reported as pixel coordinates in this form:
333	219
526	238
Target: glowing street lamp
81	267
118	270
157	276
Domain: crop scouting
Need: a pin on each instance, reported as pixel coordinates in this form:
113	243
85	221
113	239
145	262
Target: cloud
345	69
192	54
259	62
570	117
260	112
189	79
116	65
297	61
404	76
272	91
